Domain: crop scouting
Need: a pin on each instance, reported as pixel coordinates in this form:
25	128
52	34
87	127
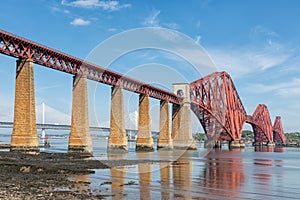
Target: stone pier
234	145
164	140
80	138
24	135
181	120
117	140
144	141
270	144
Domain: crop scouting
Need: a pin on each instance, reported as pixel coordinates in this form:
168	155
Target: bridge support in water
80	138
164	140
117	140
181	119
236	144
24	135
144	141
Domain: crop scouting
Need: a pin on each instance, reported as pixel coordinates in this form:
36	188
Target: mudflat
47	175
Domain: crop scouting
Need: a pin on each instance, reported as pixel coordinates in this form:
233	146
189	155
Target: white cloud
284	89
259	29
239	61
152	19
105	5
172	25
80	22
198	38
112	29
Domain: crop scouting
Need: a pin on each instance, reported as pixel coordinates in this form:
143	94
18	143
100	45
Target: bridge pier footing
117	140
144	141
80	138
24	135
218	144
234	145
164	140
181	120
271	144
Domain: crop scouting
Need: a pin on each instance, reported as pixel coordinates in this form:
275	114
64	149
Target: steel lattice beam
19	47
278	134
217	105
261	124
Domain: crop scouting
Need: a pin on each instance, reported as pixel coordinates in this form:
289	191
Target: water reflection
269	149
223	174
145	176
182	177
165	180
118	176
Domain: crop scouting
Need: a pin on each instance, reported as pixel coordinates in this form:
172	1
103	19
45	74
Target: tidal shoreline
47	175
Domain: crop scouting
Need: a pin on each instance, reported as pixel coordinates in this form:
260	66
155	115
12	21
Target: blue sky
256	42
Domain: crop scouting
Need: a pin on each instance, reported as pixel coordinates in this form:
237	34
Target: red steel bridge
214	98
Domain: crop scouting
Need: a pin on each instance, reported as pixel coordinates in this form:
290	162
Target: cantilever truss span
216	103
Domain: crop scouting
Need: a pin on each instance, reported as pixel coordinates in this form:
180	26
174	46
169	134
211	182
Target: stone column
80	138
181	120
144	141
164	139
117	138
24	135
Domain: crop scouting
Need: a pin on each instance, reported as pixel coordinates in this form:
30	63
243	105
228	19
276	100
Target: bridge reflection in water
187	177
256	174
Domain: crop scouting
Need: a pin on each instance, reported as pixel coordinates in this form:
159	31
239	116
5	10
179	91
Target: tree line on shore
248	136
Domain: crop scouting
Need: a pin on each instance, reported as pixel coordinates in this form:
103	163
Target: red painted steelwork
19	47
217	105
278	134
261	124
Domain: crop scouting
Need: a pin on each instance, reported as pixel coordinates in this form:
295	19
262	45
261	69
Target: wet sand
47	175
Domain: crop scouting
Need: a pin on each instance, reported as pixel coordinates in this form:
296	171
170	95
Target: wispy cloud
59	10
284	89
105	5
112	29
172	26
247	59
260	29
152	19
80	22
52	115
198	38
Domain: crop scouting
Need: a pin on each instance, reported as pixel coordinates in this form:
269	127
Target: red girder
278	134
217	105
19	47
261	124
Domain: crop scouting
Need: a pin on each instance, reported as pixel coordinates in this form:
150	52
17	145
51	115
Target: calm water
250	173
